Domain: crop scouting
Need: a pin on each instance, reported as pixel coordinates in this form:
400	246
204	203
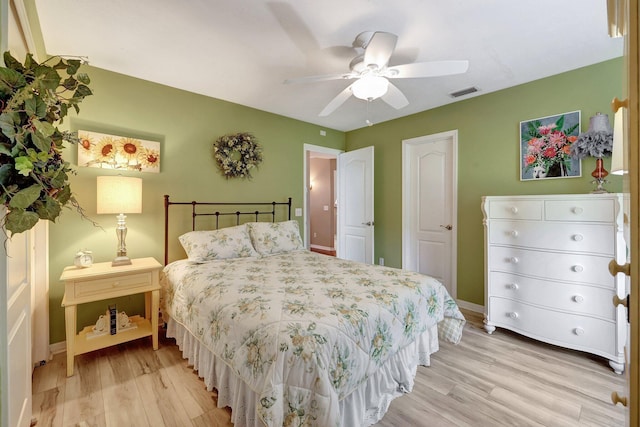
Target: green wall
488	157
186	124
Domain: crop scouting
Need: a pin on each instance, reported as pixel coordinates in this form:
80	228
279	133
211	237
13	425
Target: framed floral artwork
545	147
100	150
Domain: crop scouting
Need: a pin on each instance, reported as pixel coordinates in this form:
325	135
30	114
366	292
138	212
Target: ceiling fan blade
336	102
321	78
395	97
427	69
379	49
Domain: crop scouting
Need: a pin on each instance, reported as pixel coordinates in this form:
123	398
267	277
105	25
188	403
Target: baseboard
322	248
58	347
470	306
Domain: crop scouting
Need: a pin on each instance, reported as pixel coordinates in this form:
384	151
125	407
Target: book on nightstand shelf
113	319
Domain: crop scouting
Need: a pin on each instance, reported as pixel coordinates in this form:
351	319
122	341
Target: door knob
620	301
615	398
448	227
368	223
615	268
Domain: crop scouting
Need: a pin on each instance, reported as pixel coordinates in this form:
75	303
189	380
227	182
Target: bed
289	337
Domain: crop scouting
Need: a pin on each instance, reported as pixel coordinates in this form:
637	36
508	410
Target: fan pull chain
367	121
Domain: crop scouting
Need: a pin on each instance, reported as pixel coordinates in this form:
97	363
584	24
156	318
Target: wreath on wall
237	154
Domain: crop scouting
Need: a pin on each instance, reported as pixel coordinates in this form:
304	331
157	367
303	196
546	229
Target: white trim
308	148
58	347
453	134
23	21
477	308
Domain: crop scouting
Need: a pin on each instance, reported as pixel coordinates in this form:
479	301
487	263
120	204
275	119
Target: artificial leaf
44	128
12	63
5	173
50	209
7	125
35	107
5	149
83	78
82	91
64	195
43	143
25	198
12	78
70	83
19	220
23	165
72	66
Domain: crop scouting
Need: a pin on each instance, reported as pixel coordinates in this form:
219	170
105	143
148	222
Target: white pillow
231	242
270	238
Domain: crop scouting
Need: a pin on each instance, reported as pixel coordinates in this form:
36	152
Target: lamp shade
119	195
370	87
617	153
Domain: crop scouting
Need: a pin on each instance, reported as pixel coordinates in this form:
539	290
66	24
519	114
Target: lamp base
121	260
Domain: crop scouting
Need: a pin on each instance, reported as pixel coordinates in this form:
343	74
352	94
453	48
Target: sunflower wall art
99	150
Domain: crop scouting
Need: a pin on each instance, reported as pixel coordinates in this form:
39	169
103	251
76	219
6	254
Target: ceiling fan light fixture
370	87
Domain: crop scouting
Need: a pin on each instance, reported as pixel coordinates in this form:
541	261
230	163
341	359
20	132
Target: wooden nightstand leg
70	326
147	305
155	309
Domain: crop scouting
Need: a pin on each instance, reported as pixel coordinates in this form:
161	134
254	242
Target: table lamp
119	195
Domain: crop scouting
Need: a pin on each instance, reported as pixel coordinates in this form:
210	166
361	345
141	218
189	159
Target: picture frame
101	150
545	145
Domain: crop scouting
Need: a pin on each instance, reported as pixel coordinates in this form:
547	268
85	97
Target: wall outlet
315	234
298	212
380	261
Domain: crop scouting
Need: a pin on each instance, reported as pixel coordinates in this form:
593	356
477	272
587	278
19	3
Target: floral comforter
301	329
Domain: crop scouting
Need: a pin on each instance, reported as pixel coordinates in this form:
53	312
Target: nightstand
100	282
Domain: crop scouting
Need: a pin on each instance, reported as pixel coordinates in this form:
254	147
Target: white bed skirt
363	407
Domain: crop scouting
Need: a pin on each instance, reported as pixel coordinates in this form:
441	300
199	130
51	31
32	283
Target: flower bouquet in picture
545	147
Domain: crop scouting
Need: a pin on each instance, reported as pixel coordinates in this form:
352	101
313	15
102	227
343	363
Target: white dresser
546	270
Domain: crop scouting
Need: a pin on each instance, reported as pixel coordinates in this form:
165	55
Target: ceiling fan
372	72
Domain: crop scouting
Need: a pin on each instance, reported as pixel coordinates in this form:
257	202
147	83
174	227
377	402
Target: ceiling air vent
463	92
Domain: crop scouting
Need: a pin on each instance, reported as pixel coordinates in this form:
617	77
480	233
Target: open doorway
321	199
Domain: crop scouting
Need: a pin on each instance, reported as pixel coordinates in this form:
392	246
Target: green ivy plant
34	179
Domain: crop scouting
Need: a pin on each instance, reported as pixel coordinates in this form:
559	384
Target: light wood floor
487	380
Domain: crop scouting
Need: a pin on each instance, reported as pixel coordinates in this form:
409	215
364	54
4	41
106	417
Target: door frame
307	149
406	200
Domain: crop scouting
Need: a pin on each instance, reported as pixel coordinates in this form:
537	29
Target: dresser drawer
102	286
574	237
516	209
580	210
565	329
581	299
558	266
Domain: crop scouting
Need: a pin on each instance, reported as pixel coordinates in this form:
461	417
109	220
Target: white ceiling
242	50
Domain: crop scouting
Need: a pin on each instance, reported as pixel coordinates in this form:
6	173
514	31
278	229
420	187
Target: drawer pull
615	398
578	237
577	268
578	298
513	315
514	210
514	233
578	331
577	210
513	260
513	286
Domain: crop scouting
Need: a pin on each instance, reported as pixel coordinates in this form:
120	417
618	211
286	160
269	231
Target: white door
429	207
355	205
15	330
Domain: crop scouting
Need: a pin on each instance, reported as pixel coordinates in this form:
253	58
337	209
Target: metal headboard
194	213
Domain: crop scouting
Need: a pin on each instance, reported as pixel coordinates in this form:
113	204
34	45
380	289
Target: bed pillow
231	242
270	238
